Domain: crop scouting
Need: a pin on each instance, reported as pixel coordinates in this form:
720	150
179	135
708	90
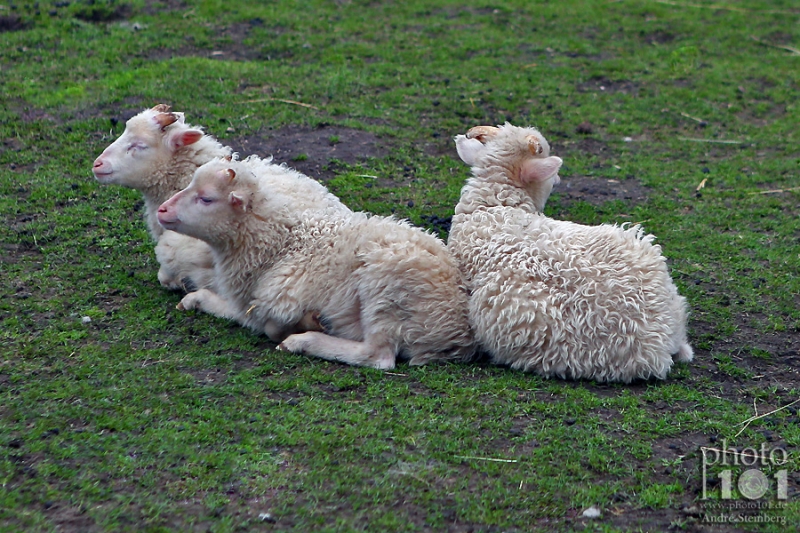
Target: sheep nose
97	163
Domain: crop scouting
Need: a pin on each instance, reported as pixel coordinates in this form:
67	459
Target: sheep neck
253	247
492	187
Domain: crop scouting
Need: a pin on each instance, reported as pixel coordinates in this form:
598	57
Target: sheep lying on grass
553	297
383	288
157	155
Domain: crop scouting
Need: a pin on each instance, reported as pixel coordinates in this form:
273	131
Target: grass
118	412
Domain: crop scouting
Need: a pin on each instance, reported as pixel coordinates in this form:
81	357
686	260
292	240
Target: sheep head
524	152
211	205
149	143
519	156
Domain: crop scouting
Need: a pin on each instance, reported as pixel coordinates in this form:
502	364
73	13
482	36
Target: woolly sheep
383	289
157	154
554	297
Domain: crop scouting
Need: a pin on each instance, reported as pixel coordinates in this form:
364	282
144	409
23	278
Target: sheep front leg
371	353
208	302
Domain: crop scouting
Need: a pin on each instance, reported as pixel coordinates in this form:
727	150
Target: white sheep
382	288
554	297
157	155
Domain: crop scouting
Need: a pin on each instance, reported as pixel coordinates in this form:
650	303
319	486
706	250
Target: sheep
383	289
554	297
157	154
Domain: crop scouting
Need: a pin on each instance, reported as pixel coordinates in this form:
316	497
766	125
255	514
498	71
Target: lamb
384	290
553	297
157	154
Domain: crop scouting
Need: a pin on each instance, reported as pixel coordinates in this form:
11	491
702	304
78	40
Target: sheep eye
205	200
137	146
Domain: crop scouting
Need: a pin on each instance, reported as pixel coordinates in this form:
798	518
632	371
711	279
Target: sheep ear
538	170
185	138
237	201
469	150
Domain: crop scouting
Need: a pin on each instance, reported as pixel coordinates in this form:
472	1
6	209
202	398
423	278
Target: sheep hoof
180	307
296	343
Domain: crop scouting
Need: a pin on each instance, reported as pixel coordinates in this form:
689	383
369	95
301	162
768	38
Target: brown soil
312	150
598	191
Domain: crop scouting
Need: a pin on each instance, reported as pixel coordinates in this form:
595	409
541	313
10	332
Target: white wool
381	287
554	297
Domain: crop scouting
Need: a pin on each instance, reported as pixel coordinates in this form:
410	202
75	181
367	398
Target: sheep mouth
168	223
103	176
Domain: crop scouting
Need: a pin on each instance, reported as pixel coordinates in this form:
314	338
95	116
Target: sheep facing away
384	289
554	297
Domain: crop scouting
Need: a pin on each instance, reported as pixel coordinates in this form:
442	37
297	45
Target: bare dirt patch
657	37
164	6
208	376
763	360
229	46
19	253
312	150
101	12
12	145
582	147
598	191
11	23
